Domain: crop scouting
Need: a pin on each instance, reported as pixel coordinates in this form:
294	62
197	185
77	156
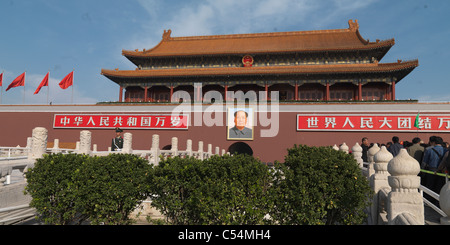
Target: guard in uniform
117	142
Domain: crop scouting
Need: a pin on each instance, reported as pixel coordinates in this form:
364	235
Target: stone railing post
38	143
174	147
335	147
127	143
370	155
379	180
55	148
189	148
404	182
85	142
29	142
154	158
344	148
357	154
209	150
200	150
444	203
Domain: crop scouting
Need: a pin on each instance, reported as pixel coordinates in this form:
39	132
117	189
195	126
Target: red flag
43	83
1	80
67	81
19	81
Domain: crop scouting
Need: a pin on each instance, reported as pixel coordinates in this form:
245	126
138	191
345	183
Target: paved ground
431	216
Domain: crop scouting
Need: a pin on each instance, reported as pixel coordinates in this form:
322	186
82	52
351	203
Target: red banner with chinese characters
135	121
364	122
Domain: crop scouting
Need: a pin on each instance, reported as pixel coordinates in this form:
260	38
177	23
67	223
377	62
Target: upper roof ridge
353	27
267	42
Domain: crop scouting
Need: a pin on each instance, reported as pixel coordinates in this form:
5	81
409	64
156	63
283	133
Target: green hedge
314	185
319	185
72	188
219	190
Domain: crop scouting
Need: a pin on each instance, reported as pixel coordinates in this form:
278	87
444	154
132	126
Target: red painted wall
17	126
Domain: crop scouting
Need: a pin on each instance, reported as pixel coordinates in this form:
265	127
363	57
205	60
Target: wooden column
296	91
171	93
226	92
199	95
393	90
360	91
121	94
145	93
267	92
327	95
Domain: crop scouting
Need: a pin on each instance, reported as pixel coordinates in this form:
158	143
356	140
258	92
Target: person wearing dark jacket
365	146
117	142
395	148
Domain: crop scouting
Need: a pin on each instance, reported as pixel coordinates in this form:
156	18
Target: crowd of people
432	156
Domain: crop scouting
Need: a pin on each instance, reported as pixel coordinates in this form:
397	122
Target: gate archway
240	148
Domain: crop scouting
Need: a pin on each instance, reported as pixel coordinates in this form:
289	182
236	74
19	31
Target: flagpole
418	120
24	76
48	85
73	75
1	91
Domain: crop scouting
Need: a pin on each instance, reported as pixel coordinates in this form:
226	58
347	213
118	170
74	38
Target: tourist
416	150
395	148
431	159
444	166
117	142
365	148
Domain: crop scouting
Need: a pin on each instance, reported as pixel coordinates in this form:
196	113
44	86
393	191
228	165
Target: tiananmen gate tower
320	65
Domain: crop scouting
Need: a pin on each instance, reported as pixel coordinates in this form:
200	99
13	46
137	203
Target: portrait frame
248	132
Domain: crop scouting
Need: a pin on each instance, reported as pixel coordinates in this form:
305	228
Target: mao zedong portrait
239	131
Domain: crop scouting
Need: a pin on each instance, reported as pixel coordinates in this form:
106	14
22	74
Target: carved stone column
55	148
379	180
344	147
174	146
200	150
405	196
29	142
335	147
210	150
38	143
357	154
444	203
85	142
370	155
189	148
127	143
154	158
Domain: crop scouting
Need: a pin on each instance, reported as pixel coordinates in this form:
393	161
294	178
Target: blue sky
59	36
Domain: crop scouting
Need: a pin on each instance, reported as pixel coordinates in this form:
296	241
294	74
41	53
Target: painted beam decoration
125	121
374	122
